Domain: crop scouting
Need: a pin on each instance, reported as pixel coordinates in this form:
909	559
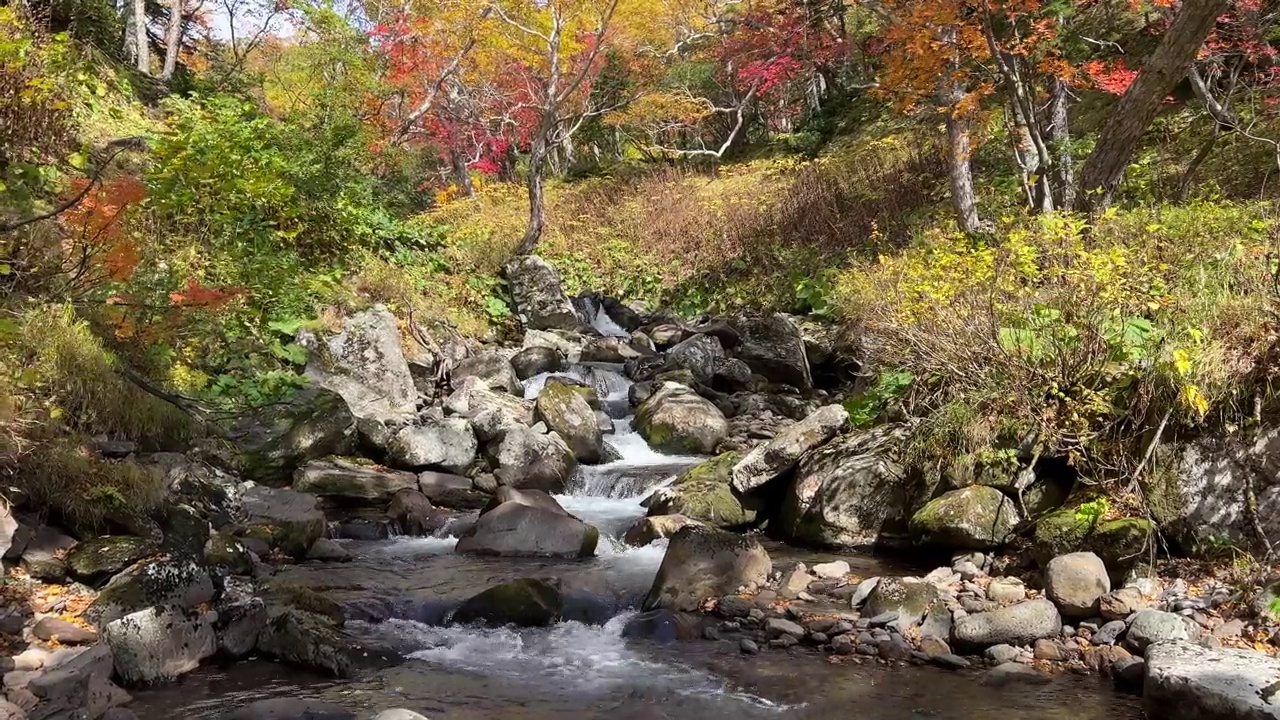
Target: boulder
310	425
290	709
326	550
76	685
1075	582
42	558
525	602
64	631
159	644
517	530
227	553
1120	604
492	369
1020	624
439	442
976	517
909	599
663	626
1152	626
241	619
773	347
351	479
413	514
185	531
675	419
287	519
566	342
531	498
703	562
536	289
649	529
849	492
101	557
364	363
1119	543
180	583
769	461
456	492
612	350
536	361
528	458
306	639
570	415
699	354
702	493
1185	681
473	398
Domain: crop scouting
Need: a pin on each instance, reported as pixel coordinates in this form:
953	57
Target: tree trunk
172	40
1166	66
1059	127
537	189
141	47
461	174
959	150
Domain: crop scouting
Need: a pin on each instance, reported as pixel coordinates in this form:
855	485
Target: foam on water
594	313
406	546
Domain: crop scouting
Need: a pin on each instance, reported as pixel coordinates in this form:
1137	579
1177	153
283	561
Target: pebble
831	570
747	646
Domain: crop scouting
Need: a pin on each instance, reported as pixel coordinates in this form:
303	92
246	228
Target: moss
305	599
703	493
107	555
975	517
590	539
525	602
224	551
1120	543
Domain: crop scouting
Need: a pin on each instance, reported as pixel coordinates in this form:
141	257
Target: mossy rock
307	640
291	595
703	493
977	517
1120	542
526	602
315	423
675	419
182	583
98	558
224	551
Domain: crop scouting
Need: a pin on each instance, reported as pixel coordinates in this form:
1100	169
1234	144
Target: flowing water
399	593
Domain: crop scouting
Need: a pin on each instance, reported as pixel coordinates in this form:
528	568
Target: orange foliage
98	228
197	295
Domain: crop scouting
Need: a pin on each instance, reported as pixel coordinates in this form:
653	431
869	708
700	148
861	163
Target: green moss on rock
703	493
526	602
977	517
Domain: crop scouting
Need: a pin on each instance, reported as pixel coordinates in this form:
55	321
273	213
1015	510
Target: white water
595	315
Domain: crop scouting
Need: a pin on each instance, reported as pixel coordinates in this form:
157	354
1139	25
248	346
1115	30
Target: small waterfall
590	309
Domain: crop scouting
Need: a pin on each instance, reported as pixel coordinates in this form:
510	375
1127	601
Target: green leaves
865	409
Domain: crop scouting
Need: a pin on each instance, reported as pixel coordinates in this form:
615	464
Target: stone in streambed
1154	626
703	493
650	529
908	599
566	412
365	364
516	530
456	492
159	644
767	462
702	562
526	602
413	514
439	442
68	633
289	520
1185	681
101	557
1075	582
527	458
351	479
977	517
1019	624
491	368
538	295
675	419
307	640
536	361
773	347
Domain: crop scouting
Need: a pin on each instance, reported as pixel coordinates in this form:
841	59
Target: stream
584	667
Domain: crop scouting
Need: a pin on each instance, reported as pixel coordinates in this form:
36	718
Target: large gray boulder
365	365
540	302
457	492
527	458
351	479
536	360
703	493
439	442
159	644
242	616
769	461
652	528
976	517
531	498
287	519
675	419
72	684
1151	626
183	584
567	412
491	412
491	368
849	492
306	639
701	355
526	602
908	598
703	562
1020	624
1075	582
773	347
515	529
274	441
1185	681
101	557
1204	498
413	514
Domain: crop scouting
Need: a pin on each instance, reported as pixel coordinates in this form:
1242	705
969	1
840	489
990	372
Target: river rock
456	492
1019	624
290	709
703	493
439	442
516	530
536	361
66	632
1006	590
289	520
472	398
326	550
1185	681
531	498
399	714
1120	604
773	347
76	682
526	602
1013	673
663	626
365	365
849	492
538	294
649	529
675	419
908	598
831	570
976	517
351	479
612	350
43	557
528	458
703	562
491	368
159	644
312	424
413	514
568	413
1109	633
767	462
103	556
1154	626
306	639
699	354
1120	542
242	617
181	583
1075	582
